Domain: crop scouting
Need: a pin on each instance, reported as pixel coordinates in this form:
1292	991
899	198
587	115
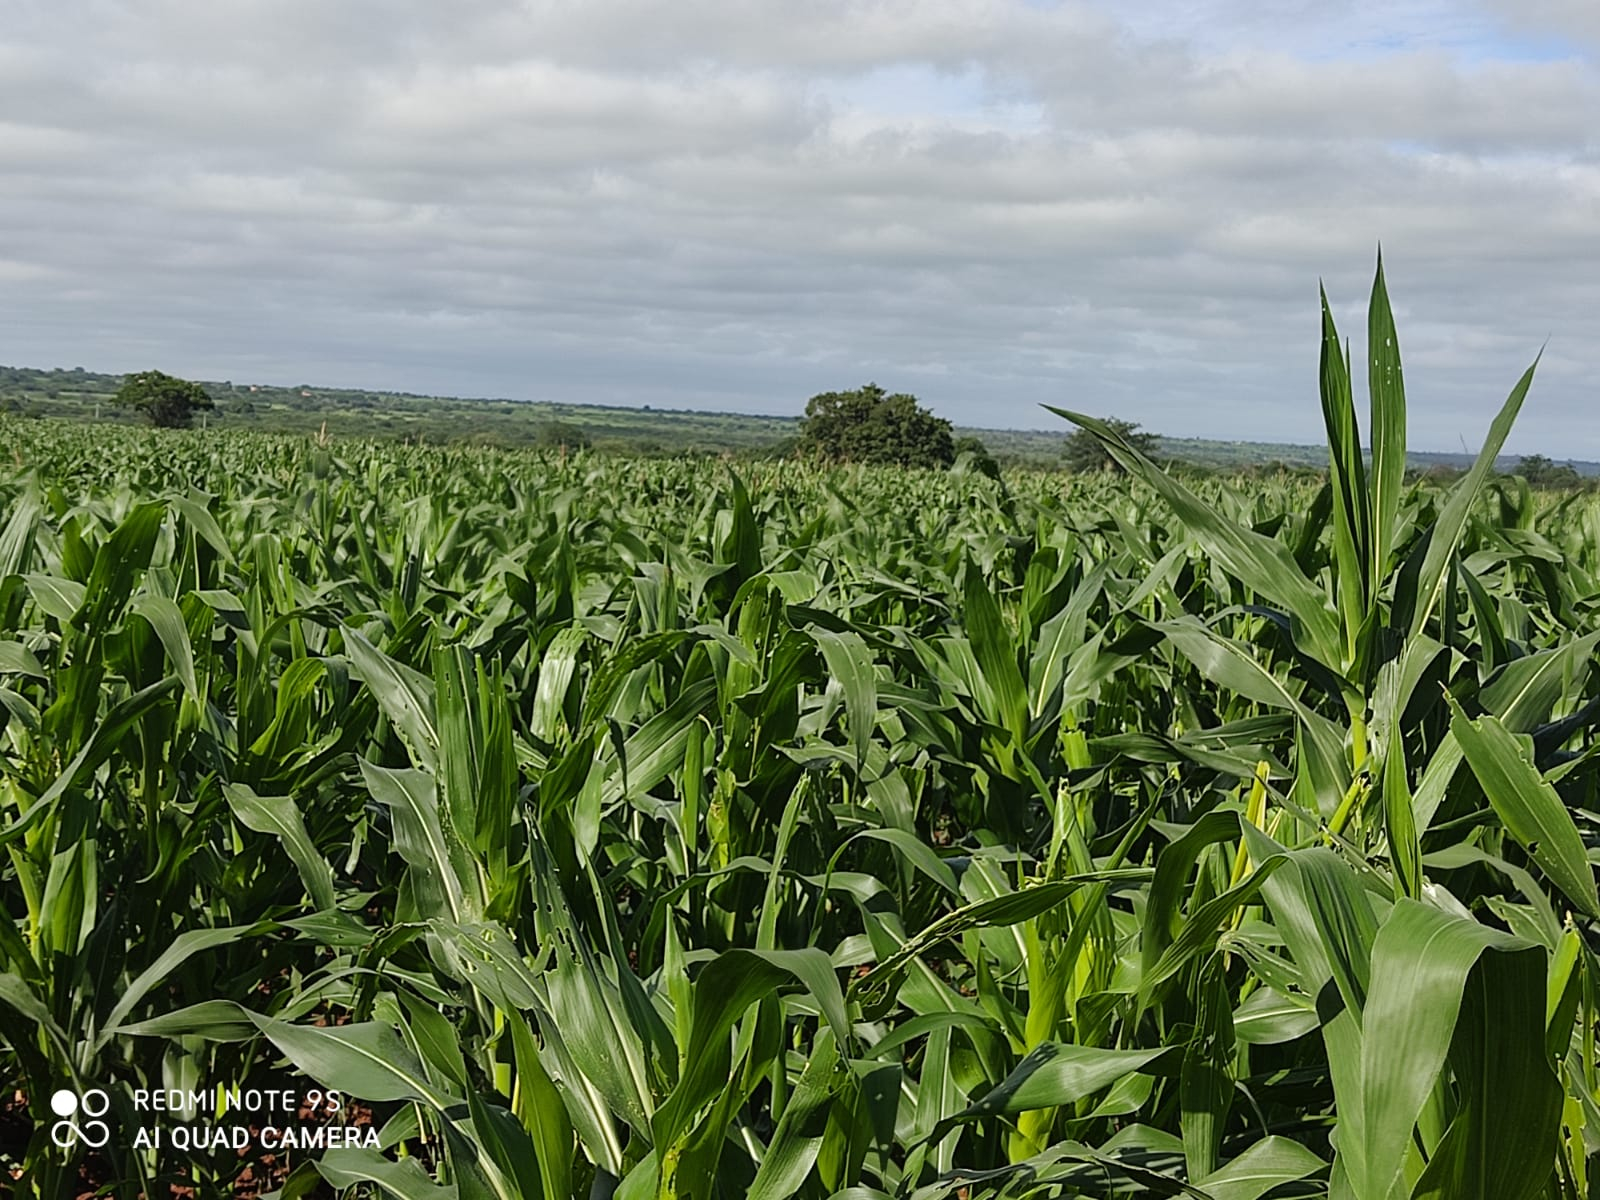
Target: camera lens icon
68	1105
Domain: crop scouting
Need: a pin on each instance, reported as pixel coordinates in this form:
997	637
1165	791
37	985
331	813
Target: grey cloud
1577	20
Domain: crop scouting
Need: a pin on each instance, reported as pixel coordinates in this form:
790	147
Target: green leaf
996	653
404	1180
122	557
1205	1084
1225	661
916	852
875	989
502	1151
365	1059
798	1138
1400	823
1352	551
278	816
17	659
1528	806
58	598
656	749
1269	1017
193	510
444	877
1523	694
107	736
435	1037
1059	637
556	668
406	696
18	995
212	1020
725	988
1325	914
850	662
1386	387
1055	1074
1445	537
1199	934
540	1109
166	620
1430	969
184	946
1270	1163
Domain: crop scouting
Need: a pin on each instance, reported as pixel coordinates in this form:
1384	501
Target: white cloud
738	203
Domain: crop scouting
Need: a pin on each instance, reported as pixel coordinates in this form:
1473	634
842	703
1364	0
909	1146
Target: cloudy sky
734	204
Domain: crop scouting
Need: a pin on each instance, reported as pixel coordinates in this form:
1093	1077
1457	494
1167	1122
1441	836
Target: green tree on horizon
868	425
560	435
164	400
1541	472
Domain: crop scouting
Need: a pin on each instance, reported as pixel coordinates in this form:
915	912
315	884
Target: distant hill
352	412
1227	454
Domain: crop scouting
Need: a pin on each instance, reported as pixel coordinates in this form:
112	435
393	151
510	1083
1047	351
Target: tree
1085	452
1540	472
164	400
870	426
558	435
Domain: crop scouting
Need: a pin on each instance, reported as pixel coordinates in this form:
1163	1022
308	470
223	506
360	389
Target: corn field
634	829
